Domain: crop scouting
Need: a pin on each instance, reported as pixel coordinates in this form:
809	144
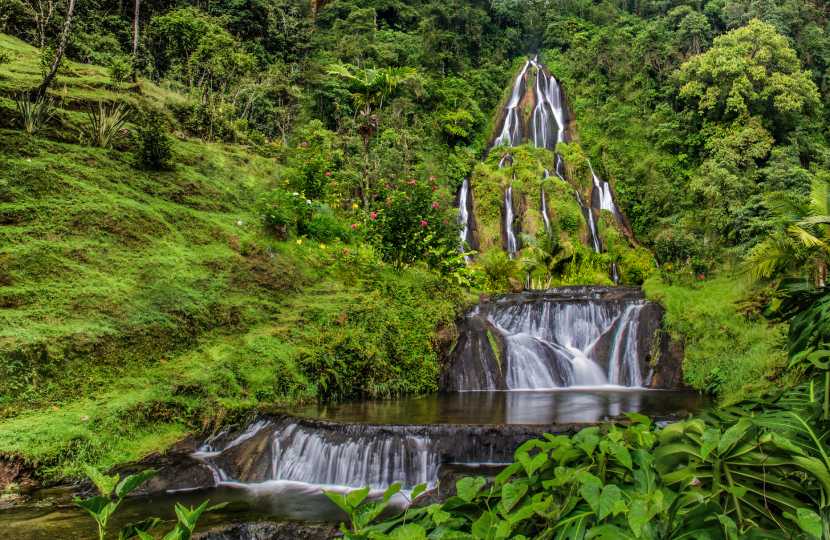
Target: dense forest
210	211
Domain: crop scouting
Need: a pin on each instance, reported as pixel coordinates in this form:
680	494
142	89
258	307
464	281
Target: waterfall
559	338
603	193
512	243
319	457
464	216
511	132
588	212
545	216
623	365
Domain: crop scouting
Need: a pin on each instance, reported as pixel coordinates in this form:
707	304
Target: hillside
140	306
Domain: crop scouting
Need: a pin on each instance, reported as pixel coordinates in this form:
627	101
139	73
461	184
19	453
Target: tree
40	93
370	88
800	246
41	12
749	71
136	11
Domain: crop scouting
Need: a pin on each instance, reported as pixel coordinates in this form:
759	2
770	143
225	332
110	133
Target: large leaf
511	494
131	482
808	521
468	487
610	501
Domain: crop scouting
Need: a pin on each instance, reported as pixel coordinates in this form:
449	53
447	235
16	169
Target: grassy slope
137	307
726	352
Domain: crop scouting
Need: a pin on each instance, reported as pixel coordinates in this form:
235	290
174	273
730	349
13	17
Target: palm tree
370	88
802	246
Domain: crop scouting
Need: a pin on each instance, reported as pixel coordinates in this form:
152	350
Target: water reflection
527	407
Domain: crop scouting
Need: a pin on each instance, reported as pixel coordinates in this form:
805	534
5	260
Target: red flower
435	205
328	173
354	226
373	215
424	224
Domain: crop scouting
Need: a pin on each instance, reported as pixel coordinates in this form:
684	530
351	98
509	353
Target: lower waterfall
560	338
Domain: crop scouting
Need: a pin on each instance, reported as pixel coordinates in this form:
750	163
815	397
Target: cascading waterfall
336	456
559	338
603	191
512	243
544	210
464	216
623	365
588	212
511	132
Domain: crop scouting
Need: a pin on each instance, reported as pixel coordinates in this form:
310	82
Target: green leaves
467	488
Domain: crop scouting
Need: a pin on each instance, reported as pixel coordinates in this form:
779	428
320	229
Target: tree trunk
135	38
40	93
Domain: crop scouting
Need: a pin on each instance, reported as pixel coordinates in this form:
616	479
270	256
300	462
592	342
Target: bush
414	223
153	144
5	57
282	212
120	67
324	226
498	269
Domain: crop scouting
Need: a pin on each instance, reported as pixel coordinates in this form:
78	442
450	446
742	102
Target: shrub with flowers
287	214
415	221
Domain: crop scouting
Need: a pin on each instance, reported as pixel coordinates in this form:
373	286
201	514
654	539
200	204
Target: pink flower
328	173
412	182
354	226
373	215
304	144
424	224
435	205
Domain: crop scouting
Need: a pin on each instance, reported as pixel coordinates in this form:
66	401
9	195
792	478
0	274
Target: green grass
139	307
727	352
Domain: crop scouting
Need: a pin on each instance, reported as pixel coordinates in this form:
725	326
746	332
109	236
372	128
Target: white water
603	190
555	344
545	216
342	456
464	216
592	225
511	132
512	243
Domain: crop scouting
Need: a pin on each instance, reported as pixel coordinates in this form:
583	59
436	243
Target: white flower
239	222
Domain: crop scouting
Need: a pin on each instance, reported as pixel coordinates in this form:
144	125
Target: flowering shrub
415	221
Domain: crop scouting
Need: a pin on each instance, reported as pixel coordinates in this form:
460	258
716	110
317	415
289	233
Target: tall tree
40	92
136	11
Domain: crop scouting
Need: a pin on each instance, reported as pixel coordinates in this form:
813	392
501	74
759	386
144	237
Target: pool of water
51	515
536	407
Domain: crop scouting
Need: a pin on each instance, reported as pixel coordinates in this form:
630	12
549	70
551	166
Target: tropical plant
120	67
801	245
153	144
104	123
756	471
370	88
112	491
33	114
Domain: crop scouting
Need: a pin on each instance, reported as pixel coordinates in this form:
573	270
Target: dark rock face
475	364
531	339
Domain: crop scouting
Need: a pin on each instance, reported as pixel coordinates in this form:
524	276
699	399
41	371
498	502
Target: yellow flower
299	241
322	246
354	206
